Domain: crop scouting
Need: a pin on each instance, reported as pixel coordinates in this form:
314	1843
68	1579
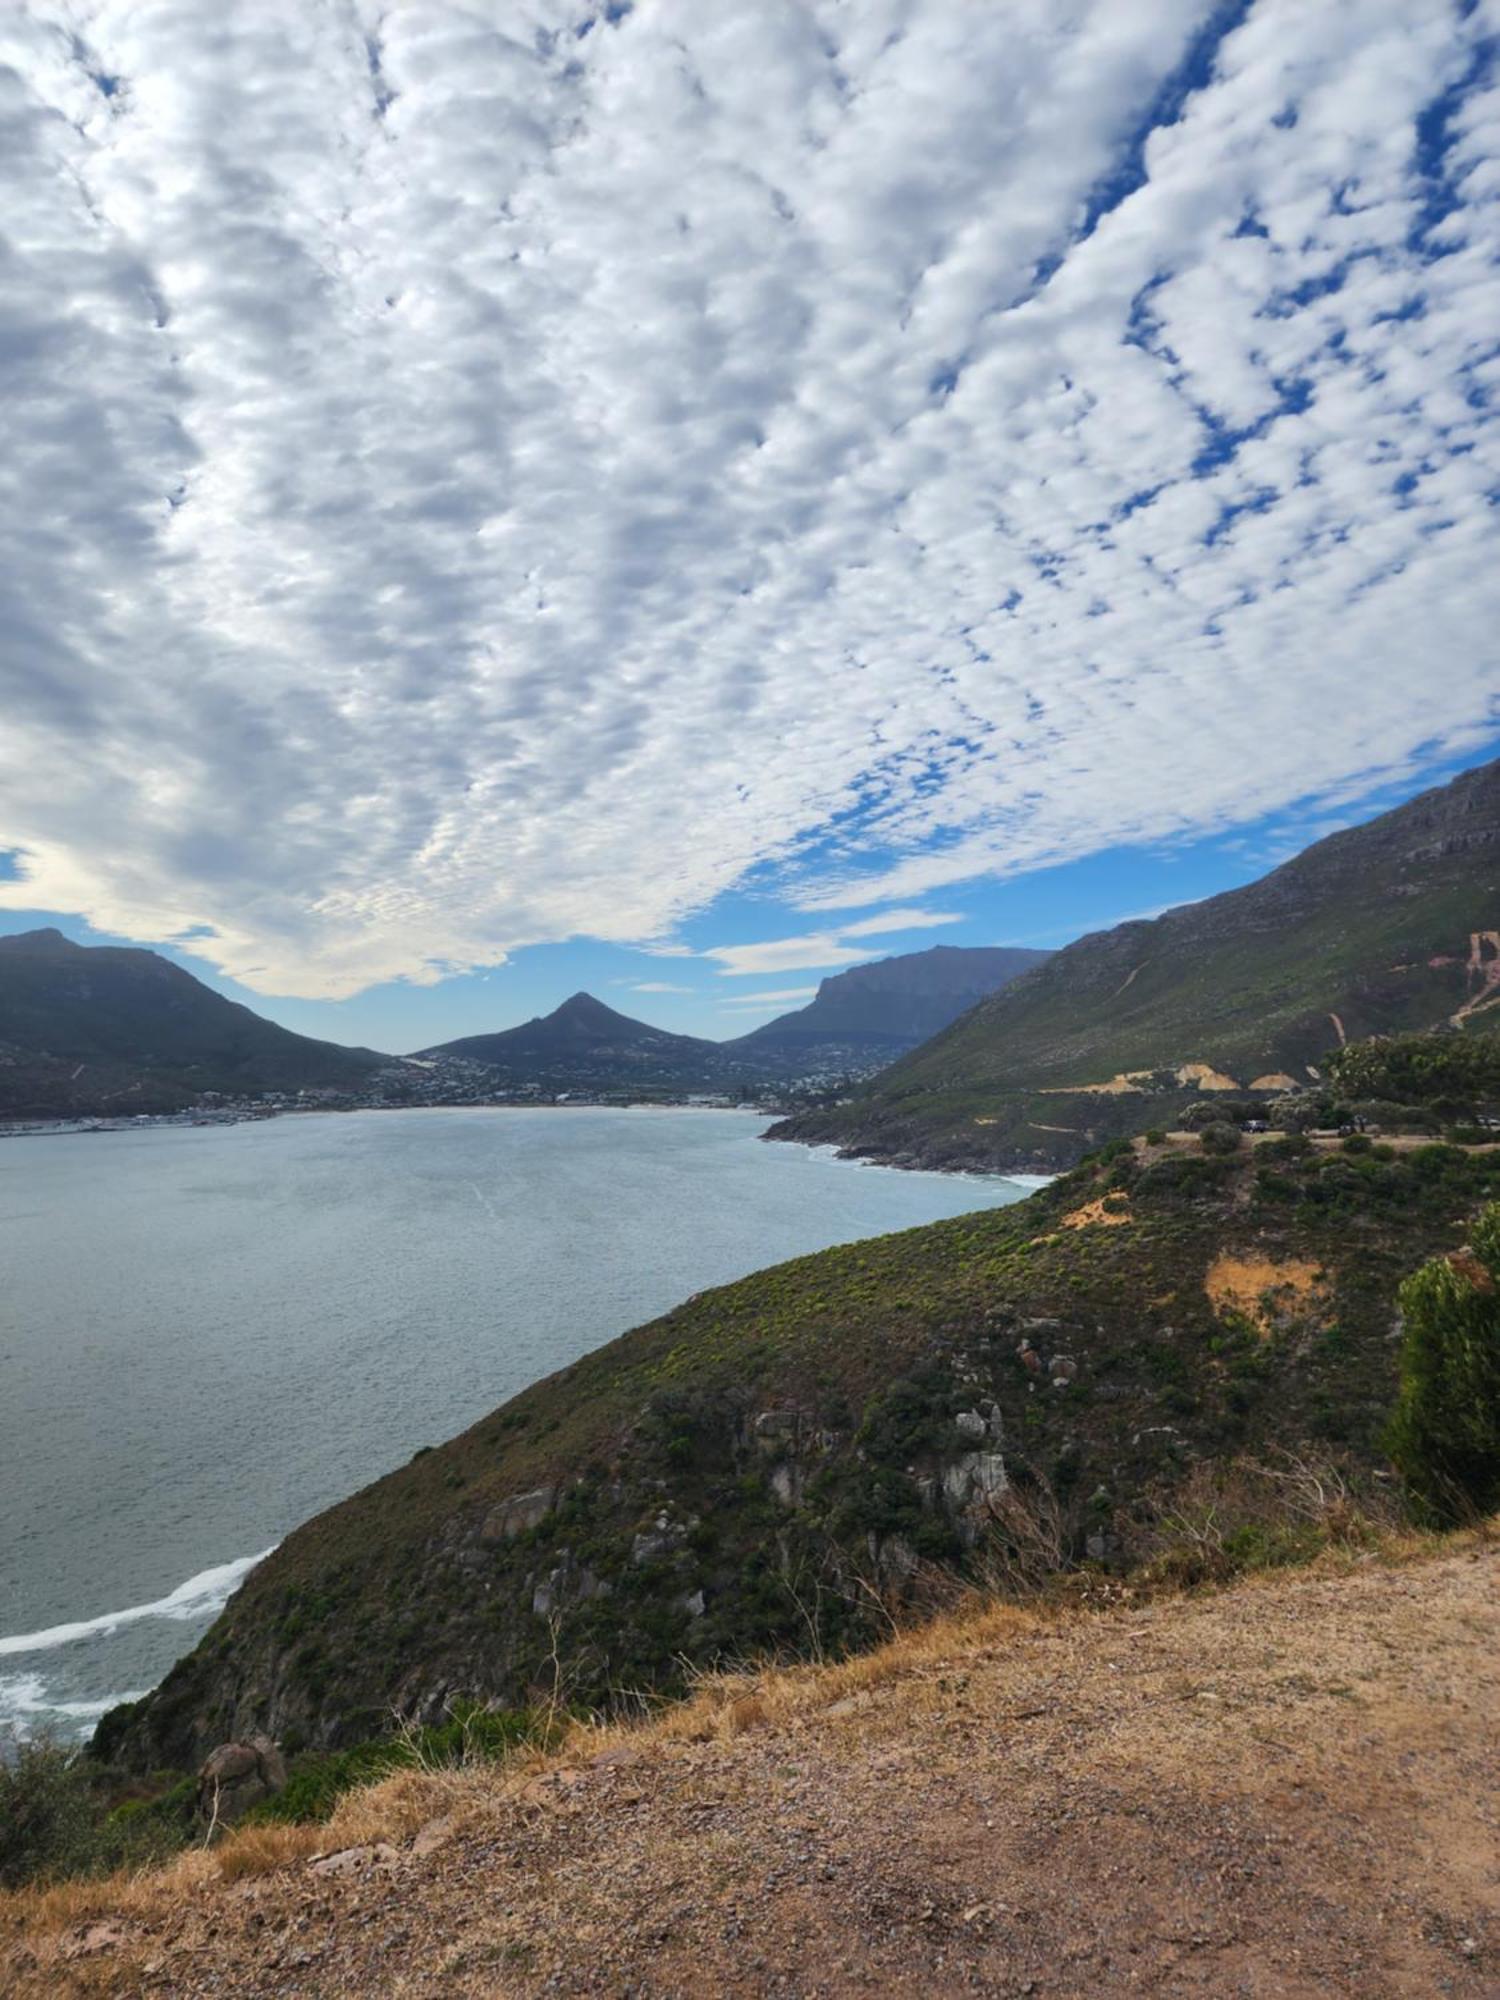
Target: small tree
1220	1138
1444	1438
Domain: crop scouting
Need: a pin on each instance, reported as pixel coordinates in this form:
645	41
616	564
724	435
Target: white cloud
793	954
776	997
899	920
654	986
472	481
819	948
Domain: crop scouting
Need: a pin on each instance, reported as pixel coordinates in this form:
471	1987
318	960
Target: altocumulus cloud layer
481	473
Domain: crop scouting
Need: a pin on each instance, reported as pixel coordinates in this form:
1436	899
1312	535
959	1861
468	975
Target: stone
786	1483
514	1516
970	1424
1062	1369
693	1604
92	1939
663	1538
380	1857
237	1776
429	1838
971	1482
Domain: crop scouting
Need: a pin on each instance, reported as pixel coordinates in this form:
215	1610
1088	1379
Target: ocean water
207	1334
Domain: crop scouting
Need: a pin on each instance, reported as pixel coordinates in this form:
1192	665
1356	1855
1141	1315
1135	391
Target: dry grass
726	1707
1110	1211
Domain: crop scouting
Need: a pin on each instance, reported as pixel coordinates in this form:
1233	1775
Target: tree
1444	1437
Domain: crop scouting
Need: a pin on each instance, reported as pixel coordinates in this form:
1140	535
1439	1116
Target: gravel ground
1292	1789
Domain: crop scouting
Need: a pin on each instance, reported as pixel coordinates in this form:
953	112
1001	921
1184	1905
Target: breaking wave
201	1595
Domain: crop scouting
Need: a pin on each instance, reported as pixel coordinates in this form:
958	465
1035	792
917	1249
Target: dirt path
1289	1790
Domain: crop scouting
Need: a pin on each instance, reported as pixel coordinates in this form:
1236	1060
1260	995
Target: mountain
88	1029
584	1044
780	1463
1394	925
873	1013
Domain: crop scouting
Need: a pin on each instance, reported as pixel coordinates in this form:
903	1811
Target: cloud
793	954
777	997
818	948
485	474
653	986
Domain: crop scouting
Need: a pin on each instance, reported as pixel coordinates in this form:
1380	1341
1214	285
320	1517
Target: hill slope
99	1028
769	1463
583	1042
1286	1789
873	1013
1388	926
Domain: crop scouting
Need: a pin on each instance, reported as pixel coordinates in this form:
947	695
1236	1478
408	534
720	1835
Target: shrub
1155	1137
47	1814
1444	1437
1219	1138
1358	1142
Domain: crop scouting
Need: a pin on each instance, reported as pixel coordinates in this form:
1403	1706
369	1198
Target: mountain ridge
893	1003
861	1017
89	1029
1385	927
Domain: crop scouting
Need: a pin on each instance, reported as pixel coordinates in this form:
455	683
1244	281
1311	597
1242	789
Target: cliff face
770	1464
1390	926
894	1003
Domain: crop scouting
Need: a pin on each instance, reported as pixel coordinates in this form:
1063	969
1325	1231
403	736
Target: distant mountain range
860	1019
88	1029
879	1011
1389	926
585	1045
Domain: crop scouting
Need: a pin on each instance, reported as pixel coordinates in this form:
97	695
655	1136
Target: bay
208	1334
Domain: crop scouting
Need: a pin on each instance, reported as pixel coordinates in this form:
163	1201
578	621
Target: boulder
237	1776
514	1516
970	1424
663	1538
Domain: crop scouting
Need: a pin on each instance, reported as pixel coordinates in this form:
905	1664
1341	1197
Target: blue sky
514	495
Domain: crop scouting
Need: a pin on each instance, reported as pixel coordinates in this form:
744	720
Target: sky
676	499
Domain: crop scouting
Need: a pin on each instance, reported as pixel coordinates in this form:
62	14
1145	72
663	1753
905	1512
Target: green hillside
1390	926
775	1461
99	1028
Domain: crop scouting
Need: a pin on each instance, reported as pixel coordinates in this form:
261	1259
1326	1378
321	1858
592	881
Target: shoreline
187	1121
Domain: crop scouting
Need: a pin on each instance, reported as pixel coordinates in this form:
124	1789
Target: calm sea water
209	1334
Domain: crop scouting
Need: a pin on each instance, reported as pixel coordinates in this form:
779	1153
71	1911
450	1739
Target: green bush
1220	1138
1444	1437
48	1820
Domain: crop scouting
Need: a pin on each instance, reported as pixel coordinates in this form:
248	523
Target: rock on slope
761	1467
101	1028
1384	927
1286	1790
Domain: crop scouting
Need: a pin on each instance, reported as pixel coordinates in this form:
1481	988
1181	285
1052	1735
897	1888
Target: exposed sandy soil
1259	1288
1292	1789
